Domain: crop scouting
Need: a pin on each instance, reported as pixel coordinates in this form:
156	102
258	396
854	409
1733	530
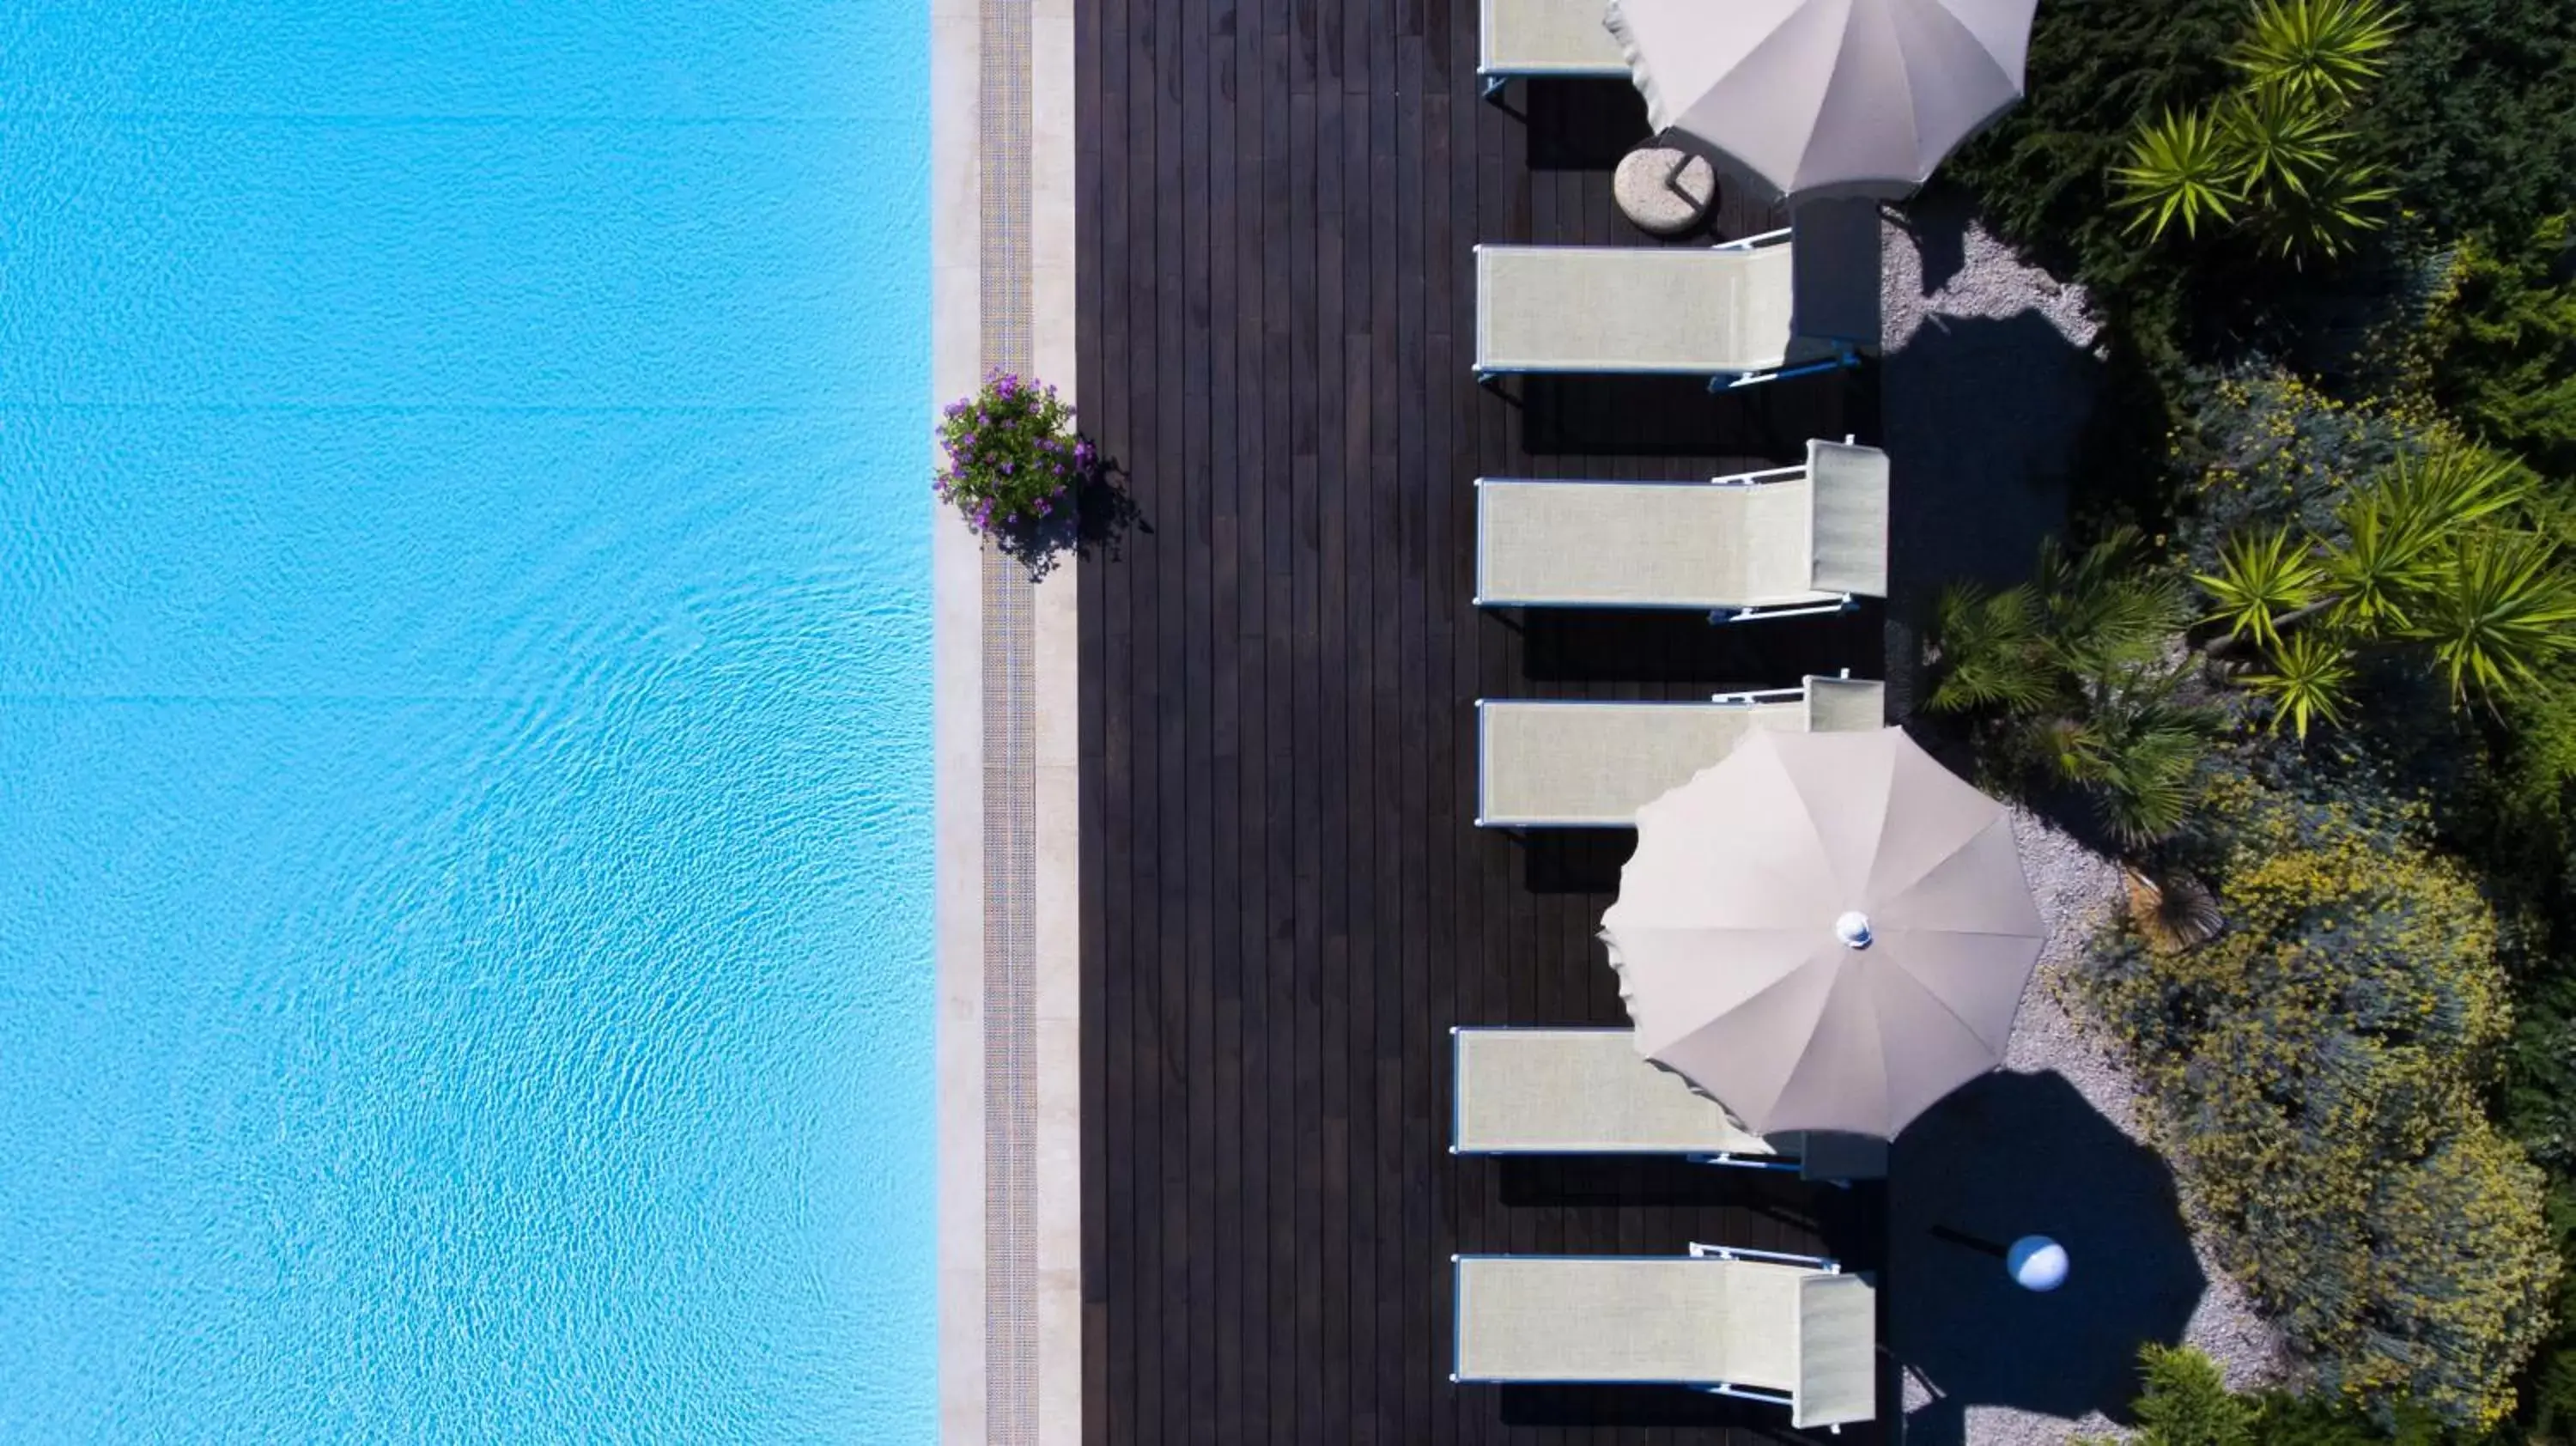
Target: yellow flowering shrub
2318	1075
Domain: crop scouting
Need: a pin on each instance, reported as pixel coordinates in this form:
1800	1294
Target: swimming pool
465	964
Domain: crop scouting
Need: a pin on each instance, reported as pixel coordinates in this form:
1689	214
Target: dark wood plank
1286	904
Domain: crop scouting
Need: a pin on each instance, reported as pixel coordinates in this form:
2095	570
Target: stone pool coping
1008	911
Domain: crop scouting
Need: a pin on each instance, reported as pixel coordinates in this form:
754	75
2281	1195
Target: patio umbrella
1820	98
1826	931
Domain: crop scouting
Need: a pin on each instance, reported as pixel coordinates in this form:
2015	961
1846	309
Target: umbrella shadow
1574	645
1666	1408
1678	416
1583	124
2020	1154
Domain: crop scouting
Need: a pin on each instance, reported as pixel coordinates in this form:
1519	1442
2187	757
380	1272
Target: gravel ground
1991	373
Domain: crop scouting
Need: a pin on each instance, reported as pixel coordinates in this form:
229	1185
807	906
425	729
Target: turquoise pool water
464	724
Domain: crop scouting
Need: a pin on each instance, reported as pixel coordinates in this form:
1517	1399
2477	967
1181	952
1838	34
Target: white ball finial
2037	1263
1853	929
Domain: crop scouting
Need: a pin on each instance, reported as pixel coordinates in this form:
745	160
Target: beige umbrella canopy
1826	931
1820	98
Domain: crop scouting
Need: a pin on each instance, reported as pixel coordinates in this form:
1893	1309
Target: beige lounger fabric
1581	1091
1643	544
1796	536
1619	309
1546	37
1699	1321
1596	764
1593	765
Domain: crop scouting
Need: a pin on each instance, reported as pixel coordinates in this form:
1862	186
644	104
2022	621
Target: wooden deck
1285	906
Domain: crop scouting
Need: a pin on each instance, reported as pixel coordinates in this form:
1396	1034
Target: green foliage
2261	575
1994	654
2499	610
2185	1401
2326	48
2075	678
2317	1074
2279	137
2503	343
2324	218
2310	681
2436	550
1012	456
2471	116
2183	166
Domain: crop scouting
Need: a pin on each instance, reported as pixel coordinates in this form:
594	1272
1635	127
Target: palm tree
2310	681
2325	48
2077	672
2260	578
2326	218
2498	610
2283	139
2392	528
2136	750
1991	652
2180	168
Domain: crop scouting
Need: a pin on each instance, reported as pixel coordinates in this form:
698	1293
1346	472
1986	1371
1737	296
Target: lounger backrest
1846	705
1579	1091
1545	37
1837	1372
1847	490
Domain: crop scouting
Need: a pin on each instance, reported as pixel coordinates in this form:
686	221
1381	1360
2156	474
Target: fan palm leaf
1989	651
2108	607
2310	682
2180	169
2330	48
2260	577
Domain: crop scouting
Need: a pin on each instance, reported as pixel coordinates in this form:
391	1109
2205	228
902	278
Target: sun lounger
1785	303
1593	765
1789	1329
1784	542
1587	1092
1554	38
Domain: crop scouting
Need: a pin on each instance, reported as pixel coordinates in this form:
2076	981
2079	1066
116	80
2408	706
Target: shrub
2471	116
2502	344
2317	1074
2185	1401
1013	461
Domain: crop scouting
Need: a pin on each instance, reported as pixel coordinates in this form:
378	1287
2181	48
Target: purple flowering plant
1013	460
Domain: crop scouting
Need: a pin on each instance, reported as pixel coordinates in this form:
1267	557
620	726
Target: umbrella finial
1853	929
